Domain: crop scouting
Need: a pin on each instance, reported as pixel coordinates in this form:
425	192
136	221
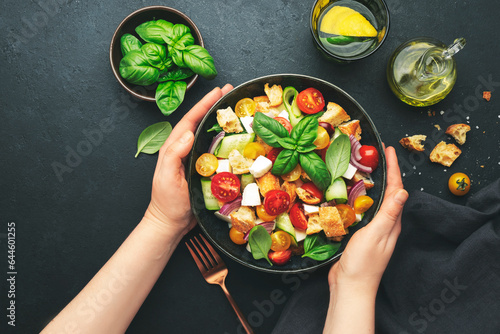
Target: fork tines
210	258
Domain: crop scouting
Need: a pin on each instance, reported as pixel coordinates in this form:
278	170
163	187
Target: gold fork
214	271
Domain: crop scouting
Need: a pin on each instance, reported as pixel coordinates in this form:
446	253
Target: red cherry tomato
313	190
298	217
369	156
328	127
225	186
276	202
310	101
283	121
280	258
273	154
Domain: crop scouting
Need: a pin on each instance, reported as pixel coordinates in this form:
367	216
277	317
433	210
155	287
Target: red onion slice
360	167
215	142
357	190
269	226
355	146
229	207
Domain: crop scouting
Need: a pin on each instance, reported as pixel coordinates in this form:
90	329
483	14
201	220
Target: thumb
178	149
390	211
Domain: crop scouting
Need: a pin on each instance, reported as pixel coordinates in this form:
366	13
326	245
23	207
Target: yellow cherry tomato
280	241
237	237
262	214
253	150
207	164
362	204
459	184
245	107
323	138
294	175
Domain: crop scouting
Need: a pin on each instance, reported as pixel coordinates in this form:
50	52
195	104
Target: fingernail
185	137
401	197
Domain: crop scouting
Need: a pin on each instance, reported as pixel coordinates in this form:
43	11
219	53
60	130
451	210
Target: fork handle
236	309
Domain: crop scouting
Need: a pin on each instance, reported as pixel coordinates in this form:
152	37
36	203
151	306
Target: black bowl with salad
284	169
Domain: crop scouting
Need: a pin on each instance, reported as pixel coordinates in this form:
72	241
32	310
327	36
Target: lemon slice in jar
345	21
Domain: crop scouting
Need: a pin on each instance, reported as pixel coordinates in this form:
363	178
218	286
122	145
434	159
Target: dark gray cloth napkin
444	275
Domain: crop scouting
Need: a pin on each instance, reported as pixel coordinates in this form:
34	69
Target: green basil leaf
306	131
260	243
287	143
167	28
268	129
128	43
169	95
316	169
310	242
177	57
153	137
135	68
285	162
199	60
338	156
181	37
306	148
217	128
323	252
156	55
151	32
175	73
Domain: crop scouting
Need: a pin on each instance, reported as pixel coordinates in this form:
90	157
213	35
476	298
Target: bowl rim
115	42
349	59
382	163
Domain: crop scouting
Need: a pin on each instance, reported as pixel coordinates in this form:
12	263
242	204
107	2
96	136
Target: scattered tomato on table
459	184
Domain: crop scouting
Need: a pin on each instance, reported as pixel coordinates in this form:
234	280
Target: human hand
170	206
369	250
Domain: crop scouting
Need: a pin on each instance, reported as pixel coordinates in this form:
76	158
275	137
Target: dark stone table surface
57	86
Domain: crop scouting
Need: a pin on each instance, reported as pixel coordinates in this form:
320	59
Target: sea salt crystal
421	189
414	167
467	117
442	112
477	127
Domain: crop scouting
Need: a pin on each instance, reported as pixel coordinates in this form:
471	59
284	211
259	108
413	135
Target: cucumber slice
234	142
211	203
337	191
293	109
284	223
246	179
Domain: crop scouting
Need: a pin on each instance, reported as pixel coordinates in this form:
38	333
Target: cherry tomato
362	204
280	258
283	121
328	127
207	164
245	107
237	237
313	190
322	153
310	101
273	154
323	139
262	214
225	186
280	241
459	184
253	150
347	214
276	202
294	175
369	156
298	217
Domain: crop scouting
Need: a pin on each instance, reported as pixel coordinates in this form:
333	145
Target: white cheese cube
359	217
300	235
224	166
248	247
251	195
349	173
247	123
285	115
309	209
260	166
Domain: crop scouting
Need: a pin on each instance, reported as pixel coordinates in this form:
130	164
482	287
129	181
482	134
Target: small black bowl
217	230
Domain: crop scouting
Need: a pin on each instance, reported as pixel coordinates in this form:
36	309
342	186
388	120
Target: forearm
351	310
112	298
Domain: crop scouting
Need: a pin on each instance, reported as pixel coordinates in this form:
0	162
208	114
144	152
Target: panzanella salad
288	176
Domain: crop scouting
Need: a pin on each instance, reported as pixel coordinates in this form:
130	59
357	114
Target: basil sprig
338	156
260	243
318	248
297	146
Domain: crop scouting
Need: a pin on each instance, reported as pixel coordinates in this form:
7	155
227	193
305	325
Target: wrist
170	232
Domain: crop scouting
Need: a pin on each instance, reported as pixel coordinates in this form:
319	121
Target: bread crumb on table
458	132
445	154
413	143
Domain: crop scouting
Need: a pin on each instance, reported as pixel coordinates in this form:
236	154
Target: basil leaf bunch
297	147
168	56
260	243
318	248
153	137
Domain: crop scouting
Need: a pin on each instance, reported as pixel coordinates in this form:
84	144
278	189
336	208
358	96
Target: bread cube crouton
331	222
335	115
275	95
304	176
413	143
262	98
365	177
267	183
313	225
239	163
351	128
290	188
228	120
306	196
458	131
264	107
445	154
243	219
